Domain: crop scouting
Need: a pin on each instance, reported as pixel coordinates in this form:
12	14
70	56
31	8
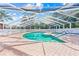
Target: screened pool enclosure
42	16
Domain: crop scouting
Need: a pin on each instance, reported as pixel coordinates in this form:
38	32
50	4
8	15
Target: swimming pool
40	36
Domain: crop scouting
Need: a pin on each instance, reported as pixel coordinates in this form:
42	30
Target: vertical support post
70	26
49	27
63	26
3	26
59	27
56	27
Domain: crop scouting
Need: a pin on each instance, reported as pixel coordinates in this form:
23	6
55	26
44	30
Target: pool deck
15	45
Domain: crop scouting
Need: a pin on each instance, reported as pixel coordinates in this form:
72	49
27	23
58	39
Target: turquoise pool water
40	36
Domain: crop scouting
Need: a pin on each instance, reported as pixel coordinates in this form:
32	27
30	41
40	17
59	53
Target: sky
44	5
